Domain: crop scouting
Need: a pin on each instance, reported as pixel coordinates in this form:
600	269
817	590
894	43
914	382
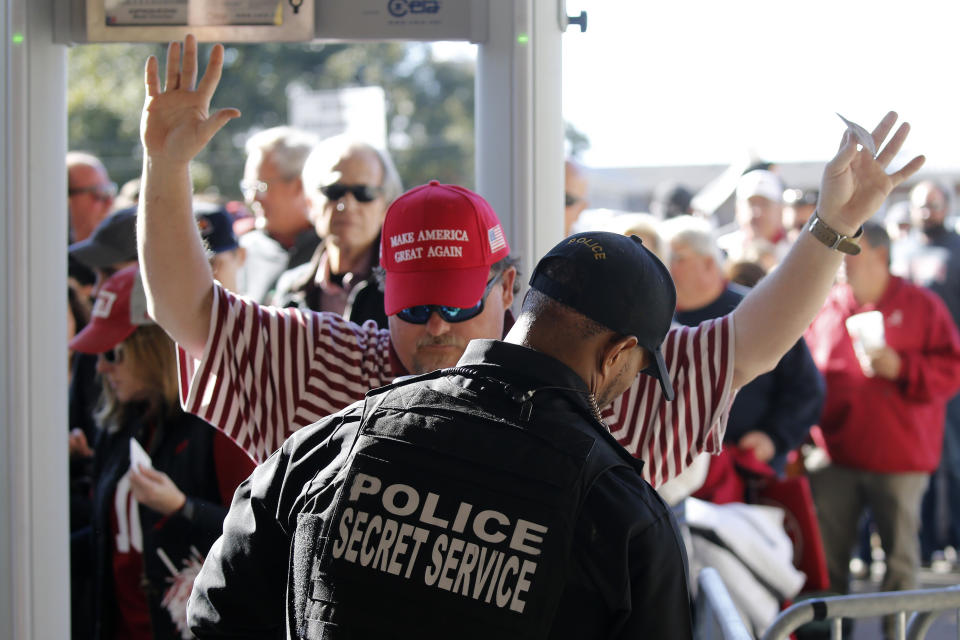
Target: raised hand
855	184
176	122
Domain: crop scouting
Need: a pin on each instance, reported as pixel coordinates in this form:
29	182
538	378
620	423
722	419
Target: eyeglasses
362	192
100	192
250	188
114	356
569	200
420	314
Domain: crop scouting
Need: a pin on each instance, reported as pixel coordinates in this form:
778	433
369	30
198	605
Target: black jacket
393	529
297	287
182	446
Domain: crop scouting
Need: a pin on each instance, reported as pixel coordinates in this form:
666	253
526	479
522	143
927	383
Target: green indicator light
523	38
17	38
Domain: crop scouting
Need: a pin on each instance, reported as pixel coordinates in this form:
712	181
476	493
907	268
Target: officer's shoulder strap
375	397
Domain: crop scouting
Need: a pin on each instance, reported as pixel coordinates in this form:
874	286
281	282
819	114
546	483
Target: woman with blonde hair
162	478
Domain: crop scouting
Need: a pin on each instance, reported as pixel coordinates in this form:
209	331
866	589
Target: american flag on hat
497	241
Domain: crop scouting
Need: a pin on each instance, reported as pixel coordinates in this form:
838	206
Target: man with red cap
469	502
265	372
260	373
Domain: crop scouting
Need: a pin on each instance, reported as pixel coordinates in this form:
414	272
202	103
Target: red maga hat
120	308
437	245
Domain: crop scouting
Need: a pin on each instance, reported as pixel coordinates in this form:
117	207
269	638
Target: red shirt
880	425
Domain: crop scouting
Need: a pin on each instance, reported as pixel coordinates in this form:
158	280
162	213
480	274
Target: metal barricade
717	617
921	621
927	603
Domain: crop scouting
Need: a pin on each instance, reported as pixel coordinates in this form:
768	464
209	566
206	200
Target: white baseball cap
760	182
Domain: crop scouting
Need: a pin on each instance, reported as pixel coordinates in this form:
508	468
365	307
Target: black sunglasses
113	356
362	192
421	313
570	200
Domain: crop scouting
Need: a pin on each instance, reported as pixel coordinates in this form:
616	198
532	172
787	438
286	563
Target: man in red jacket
884	411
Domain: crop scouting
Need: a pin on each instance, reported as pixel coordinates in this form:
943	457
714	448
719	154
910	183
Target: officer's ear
506	282
616	351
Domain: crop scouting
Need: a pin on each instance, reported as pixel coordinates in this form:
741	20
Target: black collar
522	364
525	367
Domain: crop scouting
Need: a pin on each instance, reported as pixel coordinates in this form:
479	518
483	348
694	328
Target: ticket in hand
139	457
863	136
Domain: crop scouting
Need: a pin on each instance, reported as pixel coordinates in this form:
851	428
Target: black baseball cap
616	281
113	241
216	227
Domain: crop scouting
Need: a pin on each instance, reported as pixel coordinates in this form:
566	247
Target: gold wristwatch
833	238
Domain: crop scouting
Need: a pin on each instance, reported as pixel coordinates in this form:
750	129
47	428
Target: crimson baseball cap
120	307
616	281
436	247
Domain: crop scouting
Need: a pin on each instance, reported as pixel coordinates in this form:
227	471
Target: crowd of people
324	418
866	417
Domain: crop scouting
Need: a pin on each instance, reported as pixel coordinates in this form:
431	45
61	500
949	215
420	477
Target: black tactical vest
453	515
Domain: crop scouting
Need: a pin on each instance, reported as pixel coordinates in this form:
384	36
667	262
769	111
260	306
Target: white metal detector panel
403	20
273	20
209	20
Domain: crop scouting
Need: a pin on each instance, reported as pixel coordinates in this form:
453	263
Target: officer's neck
555	339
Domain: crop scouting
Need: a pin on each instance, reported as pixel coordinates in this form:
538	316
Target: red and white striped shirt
666	435
266	372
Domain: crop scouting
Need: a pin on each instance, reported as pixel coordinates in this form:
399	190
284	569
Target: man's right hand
175	126
176	122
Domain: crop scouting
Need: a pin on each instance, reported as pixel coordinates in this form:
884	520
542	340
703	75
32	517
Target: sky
676	82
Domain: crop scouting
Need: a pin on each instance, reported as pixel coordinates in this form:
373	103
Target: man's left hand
855	183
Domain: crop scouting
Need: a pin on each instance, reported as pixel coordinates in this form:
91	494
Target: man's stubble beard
426	362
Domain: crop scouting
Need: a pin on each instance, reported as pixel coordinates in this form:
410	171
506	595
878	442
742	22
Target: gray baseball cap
112	242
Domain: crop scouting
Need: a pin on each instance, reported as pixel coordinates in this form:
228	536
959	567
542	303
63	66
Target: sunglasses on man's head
113	356
362	192
421	313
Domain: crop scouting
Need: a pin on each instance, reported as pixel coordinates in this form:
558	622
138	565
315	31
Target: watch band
832	238
189	510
